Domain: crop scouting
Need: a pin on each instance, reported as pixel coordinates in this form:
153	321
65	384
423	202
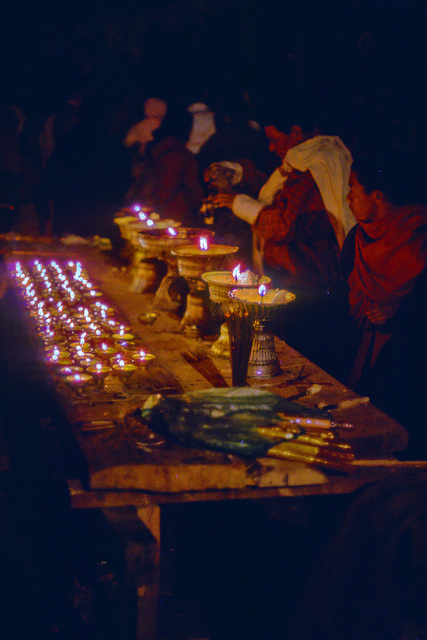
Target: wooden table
118	466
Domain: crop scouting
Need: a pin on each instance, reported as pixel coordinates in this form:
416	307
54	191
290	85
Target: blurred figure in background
141	132
169	180
203	123
11	168
236	136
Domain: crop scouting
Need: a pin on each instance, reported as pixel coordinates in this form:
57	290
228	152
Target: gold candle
78	381
99	372
143	359
124	370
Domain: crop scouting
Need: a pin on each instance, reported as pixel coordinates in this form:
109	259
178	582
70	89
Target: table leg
148	593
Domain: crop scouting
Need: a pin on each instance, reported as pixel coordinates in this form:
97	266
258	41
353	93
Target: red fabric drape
389	256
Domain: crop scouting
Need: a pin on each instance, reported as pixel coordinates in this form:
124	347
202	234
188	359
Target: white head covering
203	126
329	161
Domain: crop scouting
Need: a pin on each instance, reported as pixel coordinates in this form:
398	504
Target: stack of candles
240	331
79	330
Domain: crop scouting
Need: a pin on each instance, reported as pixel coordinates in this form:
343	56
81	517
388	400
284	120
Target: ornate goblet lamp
262	306
172	291
220	283
145	265
193	261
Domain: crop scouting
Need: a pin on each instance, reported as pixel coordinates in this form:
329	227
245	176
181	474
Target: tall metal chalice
262	306
193	261
173	289
220	283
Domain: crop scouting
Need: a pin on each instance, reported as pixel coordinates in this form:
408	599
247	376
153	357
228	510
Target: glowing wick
236	273
262	290
203	243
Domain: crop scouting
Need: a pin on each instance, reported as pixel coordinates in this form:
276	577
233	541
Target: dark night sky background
363	60
51	45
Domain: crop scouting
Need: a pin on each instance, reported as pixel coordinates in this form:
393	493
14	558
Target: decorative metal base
197	319
145	276
221	347
171	294
263	361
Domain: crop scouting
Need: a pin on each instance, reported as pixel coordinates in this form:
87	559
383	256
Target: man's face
363	205
280	142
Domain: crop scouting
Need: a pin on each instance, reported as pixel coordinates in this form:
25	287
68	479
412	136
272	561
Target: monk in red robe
390	254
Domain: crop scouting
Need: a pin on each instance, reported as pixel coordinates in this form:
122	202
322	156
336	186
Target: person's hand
379	315
223	200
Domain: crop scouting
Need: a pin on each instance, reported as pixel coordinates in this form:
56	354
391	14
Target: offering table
116	463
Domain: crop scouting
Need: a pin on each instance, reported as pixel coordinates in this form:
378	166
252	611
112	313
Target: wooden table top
122	463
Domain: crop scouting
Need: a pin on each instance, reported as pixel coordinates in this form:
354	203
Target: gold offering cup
263	361
220	283
148	318
142	359
105	354
78	381
146	265
99	372
123	336
193	262
171	293
124	370
69	370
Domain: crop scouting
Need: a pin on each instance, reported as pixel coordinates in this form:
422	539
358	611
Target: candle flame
172	232
262	290
142	216
121	363
142	354
150	223
99	367
236	273
203	243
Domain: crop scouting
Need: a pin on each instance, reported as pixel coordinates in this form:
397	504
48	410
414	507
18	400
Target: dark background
361	61
345	47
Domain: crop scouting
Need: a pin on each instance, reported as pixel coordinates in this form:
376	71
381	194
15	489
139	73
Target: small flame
76	377
121	363
136	208
203	243
262	290
104	347
236	273
142	354
98	367
150	223
142	216
172	232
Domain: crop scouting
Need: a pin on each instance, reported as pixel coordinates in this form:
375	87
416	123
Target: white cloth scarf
329	162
